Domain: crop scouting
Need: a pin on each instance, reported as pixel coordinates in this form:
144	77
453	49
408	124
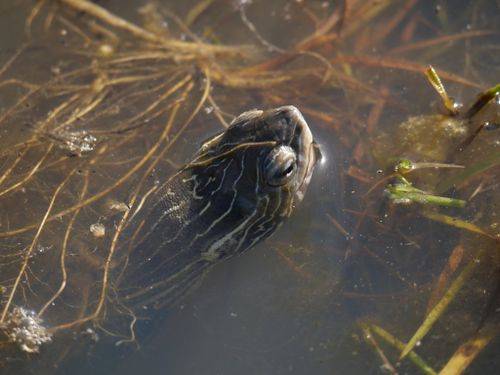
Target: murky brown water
294	303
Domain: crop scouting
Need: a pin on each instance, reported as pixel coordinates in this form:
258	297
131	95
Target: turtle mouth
302	141
314	157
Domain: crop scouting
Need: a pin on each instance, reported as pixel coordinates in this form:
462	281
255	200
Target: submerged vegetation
456	131
111	105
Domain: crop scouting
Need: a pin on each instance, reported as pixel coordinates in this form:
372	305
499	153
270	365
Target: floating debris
90	333
77	142
105	50
98	230
43	249
24	328
117	206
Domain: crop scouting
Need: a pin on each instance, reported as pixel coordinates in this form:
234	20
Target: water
292	304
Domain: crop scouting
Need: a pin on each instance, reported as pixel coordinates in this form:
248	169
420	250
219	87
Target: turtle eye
279	166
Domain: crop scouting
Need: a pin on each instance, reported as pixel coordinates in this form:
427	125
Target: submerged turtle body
236	191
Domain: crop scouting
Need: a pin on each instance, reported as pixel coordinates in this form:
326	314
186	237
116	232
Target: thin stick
118	22
62	260
32	246
30	174
34	12
9	170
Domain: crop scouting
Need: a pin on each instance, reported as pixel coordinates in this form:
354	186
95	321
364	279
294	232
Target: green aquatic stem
405	193
435	81
406	165
370	340
399	345
438	310
458	223
482	100
470	172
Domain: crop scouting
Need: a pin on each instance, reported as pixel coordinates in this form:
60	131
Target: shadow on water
390	265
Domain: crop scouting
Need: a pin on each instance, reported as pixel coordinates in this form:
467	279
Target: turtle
237	190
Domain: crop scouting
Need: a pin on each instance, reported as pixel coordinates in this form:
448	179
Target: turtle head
254	173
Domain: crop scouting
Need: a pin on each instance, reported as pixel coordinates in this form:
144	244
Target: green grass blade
439	308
